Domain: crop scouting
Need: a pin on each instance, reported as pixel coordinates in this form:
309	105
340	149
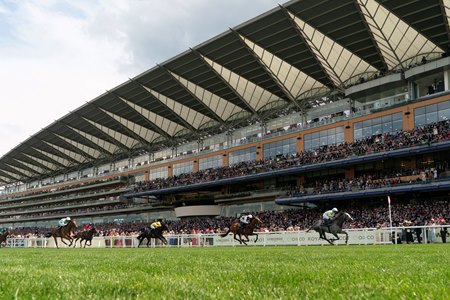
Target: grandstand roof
287	58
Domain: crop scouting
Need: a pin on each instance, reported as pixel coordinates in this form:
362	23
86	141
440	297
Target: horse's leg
243	241
246	236
240	242
323	235
256	237
69	238
56	241
75	243
335	233
346	237
162	239
140	240
62	239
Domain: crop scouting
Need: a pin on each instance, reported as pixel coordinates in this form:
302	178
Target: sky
56	55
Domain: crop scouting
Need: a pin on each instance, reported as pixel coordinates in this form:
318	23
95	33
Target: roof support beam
92	144
247	104
309	45
275	79
15	171
392	51
48	158
370	33
21	171
78	151
445	18
183	121
134	135
110	139
7	175
34	163
152	125
213	113
64	155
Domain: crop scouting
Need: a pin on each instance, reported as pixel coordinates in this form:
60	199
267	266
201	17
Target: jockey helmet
334	209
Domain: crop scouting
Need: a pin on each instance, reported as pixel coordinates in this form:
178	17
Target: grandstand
314	103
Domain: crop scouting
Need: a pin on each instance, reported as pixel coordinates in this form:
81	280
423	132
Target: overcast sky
55	55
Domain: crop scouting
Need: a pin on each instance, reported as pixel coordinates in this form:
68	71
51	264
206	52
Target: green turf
343	272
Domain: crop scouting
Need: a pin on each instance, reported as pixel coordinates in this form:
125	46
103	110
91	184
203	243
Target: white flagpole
390	216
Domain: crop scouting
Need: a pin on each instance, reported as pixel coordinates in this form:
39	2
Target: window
333	136
183	168
385	124
248	154
432	113
273	149
210	162
158	173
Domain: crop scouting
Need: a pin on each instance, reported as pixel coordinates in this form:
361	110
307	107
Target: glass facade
273	149
183	168
215	161
324	137
158	173
248	154
386	124
432	113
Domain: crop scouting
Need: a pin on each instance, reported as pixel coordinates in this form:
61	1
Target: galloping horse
237	229
334	228
3	237
63	232
84	236
156	233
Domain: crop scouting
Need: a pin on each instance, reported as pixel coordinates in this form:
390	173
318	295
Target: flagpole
390	217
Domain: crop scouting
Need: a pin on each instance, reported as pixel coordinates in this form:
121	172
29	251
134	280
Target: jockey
155	225
64	221
87	227
245	219
328	216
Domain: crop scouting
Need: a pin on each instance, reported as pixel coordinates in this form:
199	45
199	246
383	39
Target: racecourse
287	272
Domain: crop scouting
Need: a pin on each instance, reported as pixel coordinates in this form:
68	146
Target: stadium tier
313	104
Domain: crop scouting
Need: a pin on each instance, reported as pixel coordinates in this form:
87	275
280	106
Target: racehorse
3	237
156	233
84	236
237	229
63	232
334	228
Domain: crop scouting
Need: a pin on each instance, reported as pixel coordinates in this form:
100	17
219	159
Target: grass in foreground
345	272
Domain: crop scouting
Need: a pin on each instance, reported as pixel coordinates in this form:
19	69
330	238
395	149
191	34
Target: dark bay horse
334	228
84	236
64	232
156	234
237	229
3	237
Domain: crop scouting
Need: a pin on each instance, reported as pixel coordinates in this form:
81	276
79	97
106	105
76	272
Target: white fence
366	236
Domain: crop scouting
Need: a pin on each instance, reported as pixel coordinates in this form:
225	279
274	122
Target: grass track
344	272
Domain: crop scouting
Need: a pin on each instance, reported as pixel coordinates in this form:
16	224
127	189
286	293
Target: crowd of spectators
365	182
25	195
431	133
376	215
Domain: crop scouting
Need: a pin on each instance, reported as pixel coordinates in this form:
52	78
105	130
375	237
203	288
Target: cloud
56	55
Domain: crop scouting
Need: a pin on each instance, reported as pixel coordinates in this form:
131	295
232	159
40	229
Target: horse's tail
226	233
309	229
